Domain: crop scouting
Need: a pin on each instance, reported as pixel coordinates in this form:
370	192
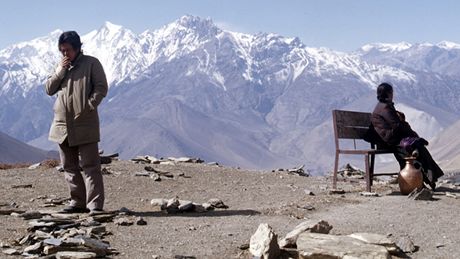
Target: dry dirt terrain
253	197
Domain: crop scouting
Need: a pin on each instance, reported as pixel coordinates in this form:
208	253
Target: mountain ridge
261	90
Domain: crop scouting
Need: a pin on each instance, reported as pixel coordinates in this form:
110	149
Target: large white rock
306	226
314	246
376	239
264	243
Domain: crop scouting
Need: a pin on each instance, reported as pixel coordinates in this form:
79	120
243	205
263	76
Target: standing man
80	84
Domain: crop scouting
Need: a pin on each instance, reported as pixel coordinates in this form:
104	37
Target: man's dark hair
72	38
383	92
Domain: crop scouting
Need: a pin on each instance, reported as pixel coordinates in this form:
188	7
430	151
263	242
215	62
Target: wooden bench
354	125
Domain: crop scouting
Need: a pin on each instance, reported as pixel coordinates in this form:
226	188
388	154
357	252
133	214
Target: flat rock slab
313	245
376	239
75	255
312	226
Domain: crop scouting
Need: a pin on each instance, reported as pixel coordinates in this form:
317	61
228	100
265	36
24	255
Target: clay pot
410	177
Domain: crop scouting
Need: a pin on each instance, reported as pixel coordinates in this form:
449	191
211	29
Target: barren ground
253	197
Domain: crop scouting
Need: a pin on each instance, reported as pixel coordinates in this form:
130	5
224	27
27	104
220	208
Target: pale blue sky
337	24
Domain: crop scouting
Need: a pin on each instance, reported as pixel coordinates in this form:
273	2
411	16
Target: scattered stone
96	230
30	215
94	243
207	206
172	205
75	255
369	194
165	174
336	191
312	226
144	159
184	176
52	241
184	257
351	171
34	166
103	217
150	169
142	174
34	249
308	192
299	171
11	251
57	201
140	221
421	194
377	239
126	211
40	224
314	245
8	211
406	245
217	203
155	177
123	221
308	207
106	171
213	163
107	159
159	202
185	205
167	163
244	246
451	195
263	243
198	208
21	186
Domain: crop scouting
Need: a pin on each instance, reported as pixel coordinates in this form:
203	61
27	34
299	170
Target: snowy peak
189	28
448	45
386	47
196	23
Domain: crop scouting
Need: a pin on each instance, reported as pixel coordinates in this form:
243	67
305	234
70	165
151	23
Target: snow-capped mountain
442	58
191	88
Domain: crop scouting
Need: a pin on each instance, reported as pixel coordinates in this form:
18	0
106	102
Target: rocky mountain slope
191	88
15	151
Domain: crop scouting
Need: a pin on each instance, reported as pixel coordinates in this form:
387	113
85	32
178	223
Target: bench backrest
350	124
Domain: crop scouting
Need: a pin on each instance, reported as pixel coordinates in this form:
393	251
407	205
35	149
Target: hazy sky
337	24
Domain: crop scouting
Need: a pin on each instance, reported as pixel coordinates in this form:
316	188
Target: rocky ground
281	199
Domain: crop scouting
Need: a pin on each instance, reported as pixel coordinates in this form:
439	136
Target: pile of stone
55	235
175	205
350	171
165	161
297	170
157	174
311	239
107	159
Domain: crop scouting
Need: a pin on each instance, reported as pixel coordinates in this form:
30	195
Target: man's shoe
73	209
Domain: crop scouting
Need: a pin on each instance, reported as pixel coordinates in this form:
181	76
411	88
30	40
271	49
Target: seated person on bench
396	134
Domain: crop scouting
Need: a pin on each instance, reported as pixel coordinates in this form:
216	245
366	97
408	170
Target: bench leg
367	176
371	169
336	168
